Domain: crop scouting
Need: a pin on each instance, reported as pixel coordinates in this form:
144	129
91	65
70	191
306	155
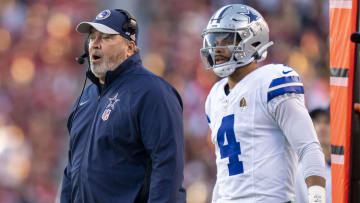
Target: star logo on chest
112	102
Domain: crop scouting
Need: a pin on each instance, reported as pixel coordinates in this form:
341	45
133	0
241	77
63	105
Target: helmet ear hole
255	44
238	39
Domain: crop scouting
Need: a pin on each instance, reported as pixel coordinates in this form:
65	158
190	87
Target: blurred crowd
40	79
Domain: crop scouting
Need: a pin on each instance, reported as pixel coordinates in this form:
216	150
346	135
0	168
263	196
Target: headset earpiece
86	44
130	25
81	59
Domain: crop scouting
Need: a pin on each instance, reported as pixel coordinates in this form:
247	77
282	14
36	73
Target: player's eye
227	40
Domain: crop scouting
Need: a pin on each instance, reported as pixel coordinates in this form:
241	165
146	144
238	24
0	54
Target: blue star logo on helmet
252	16
103	15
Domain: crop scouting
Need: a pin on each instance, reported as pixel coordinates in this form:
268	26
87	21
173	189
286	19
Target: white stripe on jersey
285	85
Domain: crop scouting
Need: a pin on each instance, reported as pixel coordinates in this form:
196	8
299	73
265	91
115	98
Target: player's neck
240	73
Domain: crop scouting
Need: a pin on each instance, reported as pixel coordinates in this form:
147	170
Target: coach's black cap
109	22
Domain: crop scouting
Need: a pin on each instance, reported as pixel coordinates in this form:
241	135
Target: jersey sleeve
285	83
295	122
286	104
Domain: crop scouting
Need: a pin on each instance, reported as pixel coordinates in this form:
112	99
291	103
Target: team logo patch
103	15
112	102
243	104
106	114
109	107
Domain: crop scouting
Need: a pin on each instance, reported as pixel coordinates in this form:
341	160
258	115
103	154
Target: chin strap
241	64
262	50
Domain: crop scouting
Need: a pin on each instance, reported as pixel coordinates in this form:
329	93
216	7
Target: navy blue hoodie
126	140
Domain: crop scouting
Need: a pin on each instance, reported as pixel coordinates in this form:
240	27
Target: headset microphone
81	59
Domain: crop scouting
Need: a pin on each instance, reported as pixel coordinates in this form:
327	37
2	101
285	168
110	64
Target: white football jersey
255	162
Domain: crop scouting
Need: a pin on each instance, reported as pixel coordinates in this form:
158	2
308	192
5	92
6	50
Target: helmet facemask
240	33
219	44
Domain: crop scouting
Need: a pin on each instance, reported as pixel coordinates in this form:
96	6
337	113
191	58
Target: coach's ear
130	48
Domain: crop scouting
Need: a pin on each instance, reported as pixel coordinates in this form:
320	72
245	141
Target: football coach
126	130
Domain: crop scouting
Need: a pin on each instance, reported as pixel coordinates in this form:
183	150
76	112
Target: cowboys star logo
112	102
251	16
110	107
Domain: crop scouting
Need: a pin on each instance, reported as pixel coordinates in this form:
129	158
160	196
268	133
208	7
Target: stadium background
40	79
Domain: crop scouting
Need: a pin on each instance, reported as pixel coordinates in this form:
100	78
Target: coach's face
107	52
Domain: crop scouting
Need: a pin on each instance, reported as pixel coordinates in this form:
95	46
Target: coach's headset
129	26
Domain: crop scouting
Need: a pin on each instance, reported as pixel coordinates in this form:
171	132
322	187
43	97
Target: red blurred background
40	79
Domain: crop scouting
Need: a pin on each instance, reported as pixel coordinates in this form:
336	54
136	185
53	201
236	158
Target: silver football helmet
235	36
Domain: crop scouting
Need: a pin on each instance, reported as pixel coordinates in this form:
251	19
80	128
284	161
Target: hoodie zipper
87	144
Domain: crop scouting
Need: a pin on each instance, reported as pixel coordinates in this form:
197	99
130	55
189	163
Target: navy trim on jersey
284	90
227	89
283	80
208	119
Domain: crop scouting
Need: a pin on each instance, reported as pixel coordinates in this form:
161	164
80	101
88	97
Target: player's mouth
96	58
221	59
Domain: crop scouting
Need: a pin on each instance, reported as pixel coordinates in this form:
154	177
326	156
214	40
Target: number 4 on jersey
232	149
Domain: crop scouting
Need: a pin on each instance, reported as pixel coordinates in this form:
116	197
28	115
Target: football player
260	125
